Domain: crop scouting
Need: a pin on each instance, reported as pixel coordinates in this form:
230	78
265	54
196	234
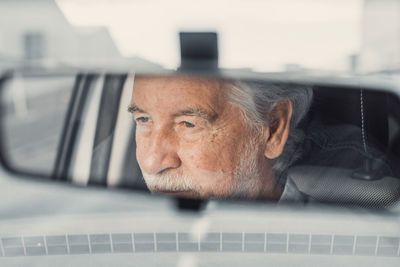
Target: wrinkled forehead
179	89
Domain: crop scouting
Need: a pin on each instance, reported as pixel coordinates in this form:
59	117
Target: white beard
247	180
248	173
169	182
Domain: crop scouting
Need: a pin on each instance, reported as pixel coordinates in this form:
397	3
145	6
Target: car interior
113	158
372	112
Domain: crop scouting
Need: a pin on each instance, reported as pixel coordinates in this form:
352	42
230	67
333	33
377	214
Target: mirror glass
33	112
207	137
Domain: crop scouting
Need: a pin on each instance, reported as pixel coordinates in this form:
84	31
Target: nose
158	152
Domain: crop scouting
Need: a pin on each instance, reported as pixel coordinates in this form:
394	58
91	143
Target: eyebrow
133	108
209	116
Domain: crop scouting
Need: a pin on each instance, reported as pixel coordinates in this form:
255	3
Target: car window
33	113
265	36
151	133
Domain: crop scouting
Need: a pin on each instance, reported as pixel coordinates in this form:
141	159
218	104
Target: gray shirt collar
292	194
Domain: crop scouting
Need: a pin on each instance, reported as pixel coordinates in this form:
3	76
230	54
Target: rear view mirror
258	138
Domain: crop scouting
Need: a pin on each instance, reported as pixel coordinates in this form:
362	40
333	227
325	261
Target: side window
33	114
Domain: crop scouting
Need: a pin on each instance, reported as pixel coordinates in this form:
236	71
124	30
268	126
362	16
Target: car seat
369	111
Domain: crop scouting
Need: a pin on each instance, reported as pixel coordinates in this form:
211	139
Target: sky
258	34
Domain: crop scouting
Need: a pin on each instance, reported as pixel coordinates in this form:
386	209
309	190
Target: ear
277	131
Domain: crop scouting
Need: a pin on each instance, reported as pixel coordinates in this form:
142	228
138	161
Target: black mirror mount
199	51
188	204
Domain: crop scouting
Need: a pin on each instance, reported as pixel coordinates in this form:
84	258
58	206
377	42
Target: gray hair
257	99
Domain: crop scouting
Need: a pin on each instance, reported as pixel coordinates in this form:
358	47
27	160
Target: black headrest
334	105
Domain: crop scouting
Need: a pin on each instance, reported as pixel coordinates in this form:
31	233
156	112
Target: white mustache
244	185
169	182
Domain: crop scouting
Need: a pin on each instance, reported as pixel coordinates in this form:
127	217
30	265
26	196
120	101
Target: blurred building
35	32
380	49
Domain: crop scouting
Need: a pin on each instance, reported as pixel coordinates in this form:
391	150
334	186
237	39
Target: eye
142	119
188	124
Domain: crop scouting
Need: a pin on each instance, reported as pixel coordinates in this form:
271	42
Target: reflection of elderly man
201	137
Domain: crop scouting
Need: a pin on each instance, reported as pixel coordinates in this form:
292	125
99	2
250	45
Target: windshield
220	136
263	127
264	36
344	36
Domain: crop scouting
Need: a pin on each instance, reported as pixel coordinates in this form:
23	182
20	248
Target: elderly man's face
191	141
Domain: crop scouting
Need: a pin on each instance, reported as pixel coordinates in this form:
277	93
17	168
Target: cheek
209	173
209	154
141	148
210	162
